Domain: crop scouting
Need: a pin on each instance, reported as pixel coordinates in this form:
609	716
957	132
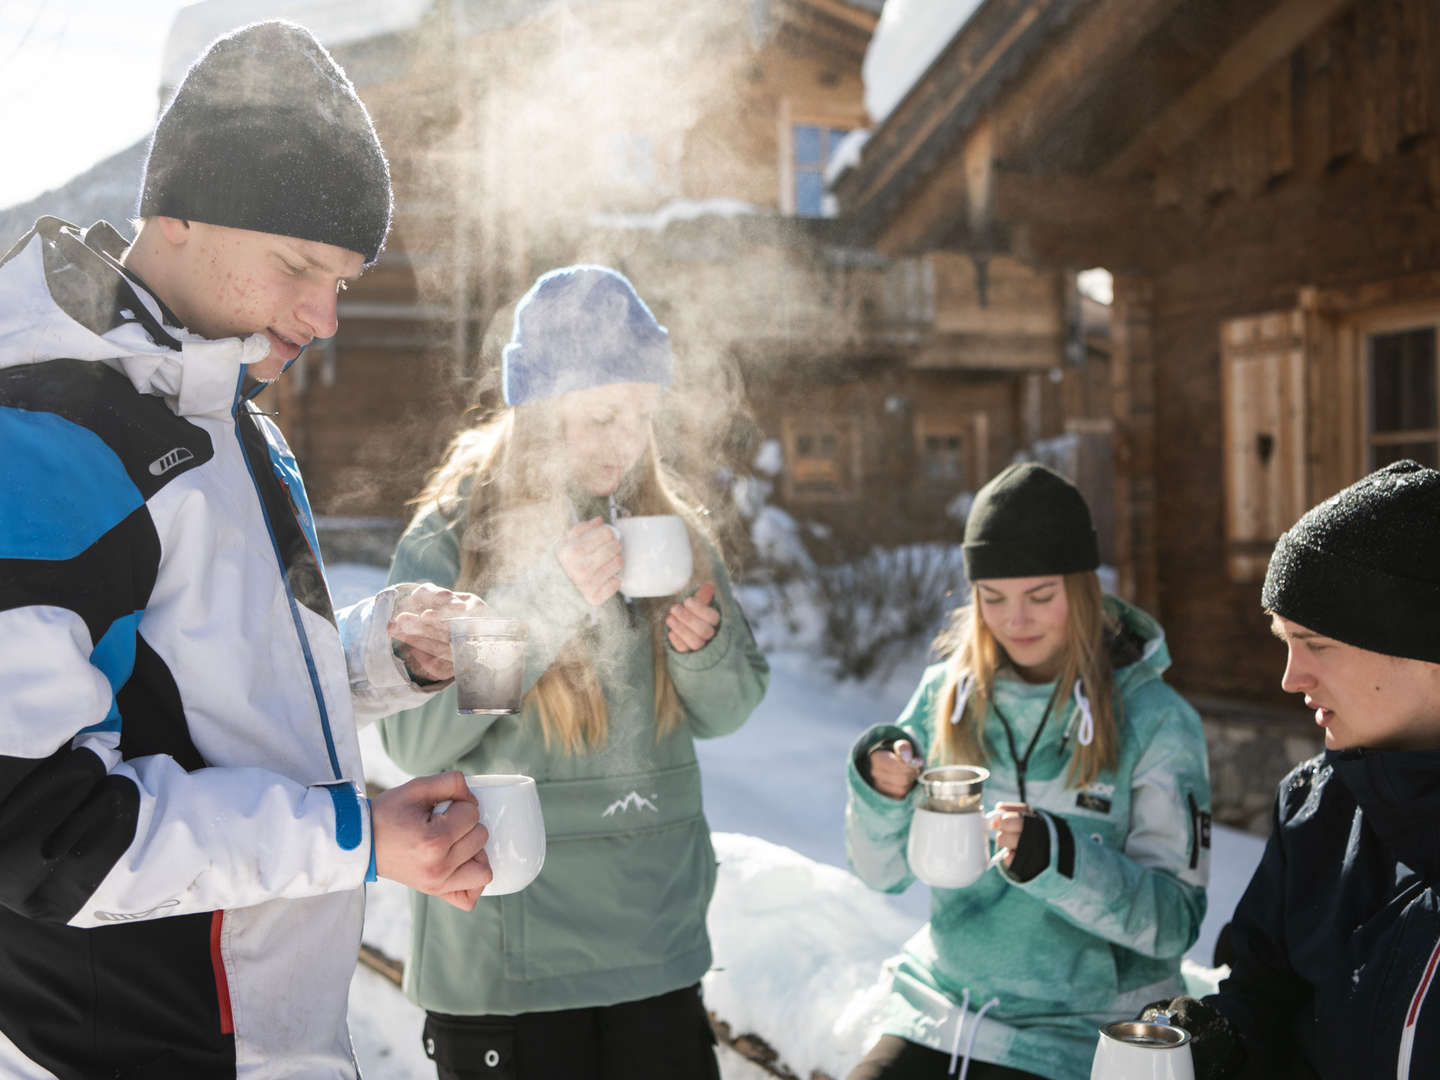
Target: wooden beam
1069	200
1269	41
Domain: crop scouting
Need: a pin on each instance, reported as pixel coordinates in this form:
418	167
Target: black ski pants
659	1038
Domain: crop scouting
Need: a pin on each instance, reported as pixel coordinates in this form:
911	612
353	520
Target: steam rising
562	122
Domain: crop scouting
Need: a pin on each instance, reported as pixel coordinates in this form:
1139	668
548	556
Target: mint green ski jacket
618	912
1099	932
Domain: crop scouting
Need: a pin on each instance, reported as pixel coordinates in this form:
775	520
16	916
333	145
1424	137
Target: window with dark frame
817	462
1402	377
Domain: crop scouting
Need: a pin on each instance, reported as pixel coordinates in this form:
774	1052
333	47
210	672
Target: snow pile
769	459
776	536
676	210
800	950
908	38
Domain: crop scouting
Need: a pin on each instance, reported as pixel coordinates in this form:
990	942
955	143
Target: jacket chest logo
1097	798
633	801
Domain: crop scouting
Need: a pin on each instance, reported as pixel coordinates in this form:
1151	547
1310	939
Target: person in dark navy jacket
1335	945
184	827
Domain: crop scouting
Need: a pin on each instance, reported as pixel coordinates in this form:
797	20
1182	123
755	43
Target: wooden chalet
1262	177
688	149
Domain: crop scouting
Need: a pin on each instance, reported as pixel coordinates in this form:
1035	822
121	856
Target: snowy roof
910	36
334	22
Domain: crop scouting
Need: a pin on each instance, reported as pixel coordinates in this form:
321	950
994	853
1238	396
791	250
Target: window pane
1423	452
807	145
809	194
1402	380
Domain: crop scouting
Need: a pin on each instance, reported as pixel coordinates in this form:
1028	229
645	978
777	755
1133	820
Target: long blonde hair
973	651
499	488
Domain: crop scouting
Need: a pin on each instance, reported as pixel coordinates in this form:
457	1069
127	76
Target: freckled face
236	282
1028	618
605	430
1361	698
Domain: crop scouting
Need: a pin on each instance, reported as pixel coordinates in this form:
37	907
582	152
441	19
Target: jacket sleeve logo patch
175	458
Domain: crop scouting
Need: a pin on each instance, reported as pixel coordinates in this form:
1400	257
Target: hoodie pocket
609	902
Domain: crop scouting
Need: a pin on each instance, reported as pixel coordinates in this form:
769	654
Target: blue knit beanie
578	327
266	133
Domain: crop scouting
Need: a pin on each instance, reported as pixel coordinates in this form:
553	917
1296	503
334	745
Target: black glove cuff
1032	853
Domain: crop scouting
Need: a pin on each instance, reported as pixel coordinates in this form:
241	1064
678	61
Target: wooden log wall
1315	189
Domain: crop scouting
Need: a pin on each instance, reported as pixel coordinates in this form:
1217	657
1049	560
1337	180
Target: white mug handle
441	806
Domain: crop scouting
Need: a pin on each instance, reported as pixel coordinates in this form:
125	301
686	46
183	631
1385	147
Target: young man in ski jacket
184	833
1335	945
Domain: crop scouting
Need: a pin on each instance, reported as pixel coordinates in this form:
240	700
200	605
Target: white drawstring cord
959	1027
1087	719
962	695
975	1030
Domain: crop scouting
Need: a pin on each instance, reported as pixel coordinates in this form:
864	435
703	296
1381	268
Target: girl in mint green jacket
1098	791
592	970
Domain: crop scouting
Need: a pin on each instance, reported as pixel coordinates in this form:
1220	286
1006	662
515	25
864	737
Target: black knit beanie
265	132
1027	522
1363	567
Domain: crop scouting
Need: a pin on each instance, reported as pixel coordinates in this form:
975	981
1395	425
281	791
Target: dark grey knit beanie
1027	522
265	132
1363	567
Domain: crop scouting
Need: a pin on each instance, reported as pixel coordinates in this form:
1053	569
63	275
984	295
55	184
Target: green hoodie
618	912
1098	933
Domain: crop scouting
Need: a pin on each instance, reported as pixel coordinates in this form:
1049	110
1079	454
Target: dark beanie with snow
578	327
265	132
1363	567
1029	521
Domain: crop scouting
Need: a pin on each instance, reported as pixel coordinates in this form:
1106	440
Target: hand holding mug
419	627
690	625
1007	821
589	553
893	772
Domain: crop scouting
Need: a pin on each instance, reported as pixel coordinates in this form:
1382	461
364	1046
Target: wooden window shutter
1262	361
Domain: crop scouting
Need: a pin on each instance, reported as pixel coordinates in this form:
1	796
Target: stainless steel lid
1139	1033
954	789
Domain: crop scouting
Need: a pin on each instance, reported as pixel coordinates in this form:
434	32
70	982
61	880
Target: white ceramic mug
489	658
1134	1050
656	550
510	811
949	851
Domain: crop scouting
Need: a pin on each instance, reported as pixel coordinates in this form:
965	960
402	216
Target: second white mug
656	550
510	812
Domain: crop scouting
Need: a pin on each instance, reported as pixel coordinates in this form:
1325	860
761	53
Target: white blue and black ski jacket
183	829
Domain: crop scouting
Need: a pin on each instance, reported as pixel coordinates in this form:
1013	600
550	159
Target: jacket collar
1399	793
64	294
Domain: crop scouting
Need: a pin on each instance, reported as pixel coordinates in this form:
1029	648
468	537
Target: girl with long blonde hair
1098	793
592	970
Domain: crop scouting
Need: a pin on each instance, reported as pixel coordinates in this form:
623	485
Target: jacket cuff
354	834
369	649
862	791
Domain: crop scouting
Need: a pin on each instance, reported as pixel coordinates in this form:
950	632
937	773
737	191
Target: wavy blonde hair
501	487
973	650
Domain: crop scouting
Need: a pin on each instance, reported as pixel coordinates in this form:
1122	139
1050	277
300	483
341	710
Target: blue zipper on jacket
285	580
